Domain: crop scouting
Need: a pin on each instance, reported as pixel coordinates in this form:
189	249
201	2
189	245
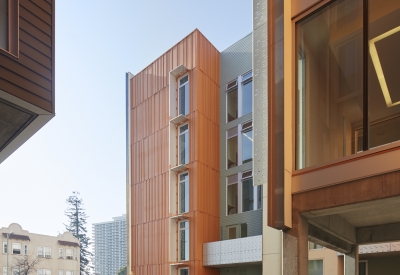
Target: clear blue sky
83	147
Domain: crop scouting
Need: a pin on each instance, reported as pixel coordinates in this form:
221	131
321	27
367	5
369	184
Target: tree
122	271
24	265
77	226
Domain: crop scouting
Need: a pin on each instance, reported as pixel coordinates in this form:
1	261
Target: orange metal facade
150	198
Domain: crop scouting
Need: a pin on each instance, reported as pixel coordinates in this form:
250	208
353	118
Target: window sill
179	119
179	168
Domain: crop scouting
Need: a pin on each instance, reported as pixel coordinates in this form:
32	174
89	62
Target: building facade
57	255
334	100
26	71
109	246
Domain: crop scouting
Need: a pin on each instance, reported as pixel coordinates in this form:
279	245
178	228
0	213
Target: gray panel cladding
235	60
260	106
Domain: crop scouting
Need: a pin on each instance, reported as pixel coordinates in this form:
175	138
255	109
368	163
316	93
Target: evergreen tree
77	226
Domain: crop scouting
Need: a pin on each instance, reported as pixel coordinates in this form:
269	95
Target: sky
83	147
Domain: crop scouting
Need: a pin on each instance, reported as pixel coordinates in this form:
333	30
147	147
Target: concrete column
302	232
351	262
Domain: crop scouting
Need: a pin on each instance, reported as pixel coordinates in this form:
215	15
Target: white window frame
60	253
20	249
240	130
240	80
47	252
184	268
179	145
60	272
179	191
179	240
25	249
240	193
69	272
42	254
5	248
4	270
179	86
69	257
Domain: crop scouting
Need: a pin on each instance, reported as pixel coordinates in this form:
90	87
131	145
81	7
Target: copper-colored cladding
275	115
28	73
150	161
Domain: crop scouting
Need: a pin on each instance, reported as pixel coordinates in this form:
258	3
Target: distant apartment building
27	58
109	246
58	255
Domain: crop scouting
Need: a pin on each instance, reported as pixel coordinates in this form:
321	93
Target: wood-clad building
173	186
26	70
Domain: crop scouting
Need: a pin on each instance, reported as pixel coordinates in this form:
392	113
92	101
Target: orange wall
150	160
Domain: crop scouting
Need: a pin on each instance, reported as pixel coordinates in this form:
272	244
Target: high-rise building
55	254
27	58
109	246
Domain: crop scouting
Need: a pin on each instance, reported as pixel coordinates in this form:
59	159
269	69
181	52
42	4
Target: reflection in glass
232	152
184	96
247	146
247	195
184	193
384	67
247	98
184	240
232	199
329	83
232	108
184	144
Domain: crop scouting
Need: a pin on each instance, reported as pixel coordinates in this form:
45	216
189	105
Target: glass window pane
329	83
184	99
232	199
184	271
232	102
247	146
259	196
232	233
315	267
247	195
384	67
184	240
362	268
184	193
243	230
312	245
232	152
4	24
247	98
16	248
184	144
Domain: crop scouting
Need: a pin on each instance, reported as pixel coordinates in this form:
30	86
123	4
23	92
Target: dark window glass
4	24
232	199
383	72
232	108
315	267
184	144
329	110
247	195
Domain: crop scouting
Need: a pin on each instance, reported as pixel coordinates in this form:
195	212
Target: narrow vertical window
232	102
259	196
184	144
5	247
184	240
247	94
4	24
60	253
232	195
183	98
247	142
232	148
40	251
247	194
25	249
184	193
4	270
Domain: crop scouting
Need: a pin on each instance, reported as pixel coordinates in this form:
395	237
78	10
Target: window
241	186
312	245
68	253
75	254
40	251
183	98
239	98
183	193
239	147
16	248
363	267
69	272
5	247
184	144
60	253
184	271
184	240
4	24
237	231
4	270
47	252
25	249
315	267
60	272
340	110
44	272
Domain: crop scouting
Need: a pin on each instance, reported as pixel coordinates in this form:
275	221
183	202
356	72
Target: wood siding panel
29	75
150	159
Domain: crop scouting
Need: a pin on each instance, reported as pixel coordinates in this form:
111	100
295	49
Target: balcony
229	252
